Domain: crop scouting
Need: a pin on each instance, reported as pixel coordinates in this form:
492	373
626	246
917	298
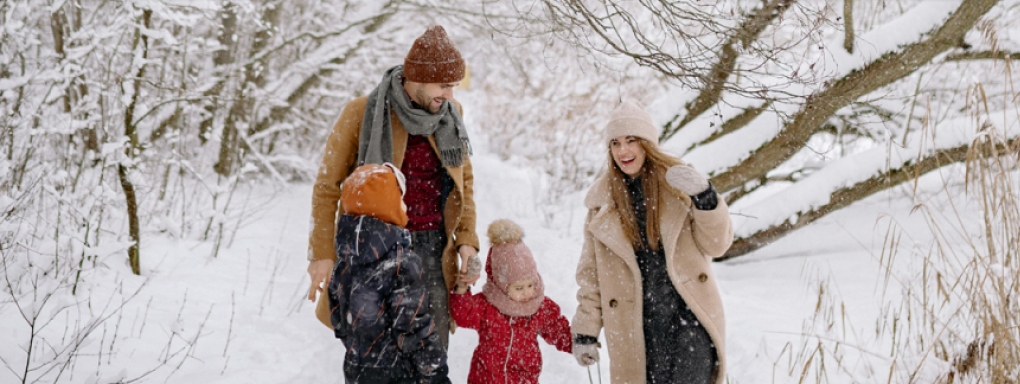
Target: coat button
702	277
612	303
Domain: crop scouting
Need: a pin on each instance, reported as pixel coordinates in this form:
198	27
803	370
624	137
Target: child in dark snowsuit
377	297
510	313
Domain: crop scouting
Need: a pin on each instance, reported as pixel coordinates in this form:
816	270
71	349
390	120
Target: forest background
148	147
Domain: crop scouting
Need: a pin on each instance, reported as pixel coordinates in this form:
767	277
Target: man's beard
424	101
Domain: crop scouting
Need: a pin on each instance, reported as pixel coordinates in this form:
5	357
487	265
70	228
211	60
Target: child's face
521	290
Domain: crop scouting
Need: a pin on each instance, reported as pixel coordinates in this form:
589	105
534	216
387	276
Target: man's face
430	95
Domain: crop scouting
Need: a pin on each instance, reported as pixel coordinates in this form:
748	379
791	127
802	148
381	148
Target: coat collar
674	207
605	224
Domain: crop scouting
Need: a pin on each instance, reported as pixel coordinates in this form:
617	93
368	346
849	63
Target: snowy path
276	339
241	318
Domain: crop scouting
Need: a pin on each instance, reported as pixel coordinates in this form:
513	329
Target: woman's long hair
652	174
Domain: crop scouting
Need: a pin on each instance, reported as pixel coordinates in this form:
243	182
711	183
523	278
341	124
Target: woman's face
628	154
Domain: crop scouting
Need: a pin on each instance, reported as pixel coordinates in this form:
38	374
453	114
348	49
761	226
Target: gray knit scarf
376	143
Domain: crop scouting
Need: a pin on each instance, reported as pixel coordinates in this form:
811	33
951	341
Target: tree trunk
64	24
222	58
141	42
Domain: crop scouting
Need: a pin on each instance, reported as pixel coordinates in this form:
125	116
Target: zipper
357	235
506	375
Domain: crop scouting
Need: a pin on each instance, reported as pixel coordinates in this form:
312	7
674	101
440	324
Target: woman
653	226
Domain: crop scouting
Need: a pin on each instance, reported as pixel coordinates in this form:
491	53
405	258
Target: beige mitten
687	179
586	354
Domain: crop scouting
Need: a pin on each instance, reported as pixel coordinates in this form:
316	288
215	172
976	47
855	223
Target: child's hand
473	271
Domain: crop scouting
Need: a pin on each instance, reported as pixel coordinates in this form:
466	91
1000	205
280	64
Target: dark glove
688	180
585	350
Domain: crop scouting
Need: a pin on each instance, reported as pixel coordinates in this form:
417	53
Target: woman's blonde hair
653	175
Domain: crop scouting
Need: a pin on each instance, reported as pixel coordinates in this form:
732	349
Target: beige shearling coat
610	290
339	159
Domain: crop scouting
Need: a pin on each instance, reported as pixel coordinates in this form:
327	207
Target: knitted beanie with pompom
510	261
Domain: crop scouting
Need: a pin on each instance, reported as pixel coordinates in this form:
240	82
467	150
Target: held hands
686	179
586	354
470	265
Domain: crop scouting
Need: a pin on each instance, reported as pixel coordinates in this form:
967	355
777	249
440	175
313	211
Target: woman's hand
586	354
687	179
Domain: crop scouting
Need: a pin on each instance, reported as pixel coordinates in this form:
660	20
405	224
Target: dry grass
949	311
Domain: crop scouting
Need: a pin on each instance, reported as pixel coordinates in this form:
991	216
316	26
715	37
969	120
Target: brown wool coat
338	161
609	296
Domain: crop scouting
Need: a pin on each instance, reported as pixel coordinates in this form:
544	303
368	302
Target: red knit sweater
424	174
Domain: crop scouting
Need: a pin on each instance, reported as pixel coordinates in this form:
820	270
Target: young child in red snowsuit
510	313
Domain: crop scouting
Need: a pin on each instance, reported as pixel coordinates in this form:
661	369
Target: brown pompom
504	231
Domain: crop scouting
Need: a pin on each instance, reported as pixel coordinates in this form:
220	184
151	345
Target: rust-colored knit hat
434	59
374	190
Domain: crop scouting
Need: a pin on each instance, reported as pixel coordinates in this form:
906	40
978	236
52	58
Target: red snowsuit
507	351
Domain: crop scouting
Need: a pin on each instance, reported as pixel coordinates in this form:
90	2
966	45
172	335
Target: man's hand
320	271
467	253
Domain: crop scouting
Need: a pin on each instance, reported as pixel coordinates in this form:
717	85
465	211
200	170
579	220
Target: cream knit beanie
629	119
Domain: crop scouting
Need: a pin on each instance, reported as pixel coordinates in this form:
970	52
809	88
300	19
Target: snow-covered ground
241	318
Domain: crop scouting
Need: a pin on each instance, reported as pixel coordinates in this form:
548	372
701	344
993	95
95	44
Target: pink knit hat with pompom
510	261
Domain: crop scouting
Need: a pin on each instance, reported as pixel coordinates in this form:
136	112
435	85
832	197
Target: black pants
373	375
682	353
429	246
362	375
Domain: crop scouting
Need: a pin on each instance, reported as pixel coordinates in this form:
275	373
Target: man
410	120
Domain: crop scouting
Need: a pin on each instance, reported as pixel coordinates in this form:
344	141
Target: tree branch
846	196
716	78
823	104
848	25
734	123
277	112
984	55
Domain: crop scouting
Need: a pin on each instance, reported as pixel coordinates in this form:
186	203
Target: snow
241	317
233	311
